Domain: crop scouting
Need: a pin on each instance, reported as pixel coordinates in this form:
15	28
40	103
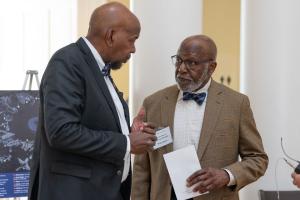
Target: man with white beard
215	119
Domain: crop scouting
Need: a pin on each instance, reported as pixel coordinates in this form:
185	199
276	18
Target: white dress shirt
188	120
119	107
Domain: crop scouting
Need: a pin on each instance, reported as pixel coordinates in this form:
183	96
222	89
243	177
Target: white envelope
181	164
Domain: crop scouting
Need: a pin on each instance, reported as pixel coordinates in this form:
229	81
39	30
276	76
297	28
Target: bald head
201	45
110	15
113	30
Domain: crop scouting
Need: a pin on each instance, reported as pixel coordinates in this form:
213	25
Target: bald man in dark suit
83	144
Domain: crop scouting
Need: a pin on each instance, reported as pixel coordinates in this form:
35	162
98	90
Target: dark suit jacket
79	147
228	132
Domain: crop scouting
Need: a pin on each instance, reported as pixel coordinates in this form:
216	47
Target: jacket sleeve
141	178
254	160
63	96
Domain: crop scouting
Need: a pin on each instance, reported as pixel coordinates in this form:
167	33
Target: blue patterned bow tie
106	70
199	98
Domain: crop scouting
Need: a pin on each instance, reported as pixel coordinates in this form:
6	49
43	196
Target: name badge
164	137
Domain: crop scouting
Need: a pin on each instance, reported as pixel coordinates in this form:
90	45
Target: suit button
119	173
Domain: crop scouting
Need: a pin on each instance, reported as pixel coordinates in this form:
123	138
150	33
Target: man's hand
141	142
208	179
142	136
296	179
138	121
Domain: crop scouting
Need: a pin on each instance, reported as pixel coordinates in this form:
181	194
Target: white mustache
179	77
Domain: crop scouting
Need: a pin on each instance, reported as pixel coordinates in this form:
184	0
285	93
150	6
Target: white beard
194	85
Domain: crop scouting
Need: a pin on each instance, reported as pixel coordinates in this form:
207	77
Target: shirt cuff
232	180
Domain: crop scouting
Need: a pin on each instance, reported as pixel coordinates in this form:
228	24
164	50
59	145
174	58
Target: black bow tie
199	98
106	69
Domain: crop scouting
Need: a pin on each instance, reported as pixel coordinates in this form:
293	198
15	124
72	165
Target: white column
270	72
164	25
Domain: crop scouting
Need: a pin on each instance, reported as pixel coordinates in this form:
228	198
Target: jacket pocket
71	170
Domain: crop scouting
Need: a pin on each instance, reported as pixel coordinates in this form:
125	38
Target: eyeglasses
189	64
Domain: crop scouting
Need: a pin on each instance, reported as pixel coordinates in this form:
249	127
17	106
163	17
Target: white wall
85	10
270	71
165	23
30	32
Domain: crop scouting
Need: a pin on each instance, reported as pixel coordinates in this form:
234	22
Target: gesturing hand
138	121
142	136
141	142
208	179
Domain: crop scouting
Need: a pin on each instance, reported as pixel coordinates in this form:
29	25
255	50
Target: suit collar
95	53
96	72
168	106
213	107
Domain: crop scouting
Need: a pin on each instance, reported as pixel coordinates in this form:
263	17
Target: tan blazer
228	131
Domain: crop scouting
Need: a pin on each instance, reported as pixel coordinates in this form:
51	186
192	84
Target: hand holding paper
208	179
181	164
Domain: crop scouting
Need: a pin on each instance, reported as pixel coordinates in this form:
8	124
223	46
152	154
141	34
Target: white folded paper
164	137
181	164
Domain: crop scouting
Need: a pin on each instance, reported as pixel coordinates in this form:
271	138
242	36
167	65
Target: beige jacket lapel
168	105
212	110
213	107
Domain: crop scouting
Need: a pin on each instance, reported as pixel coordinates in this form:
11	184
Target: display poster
18	125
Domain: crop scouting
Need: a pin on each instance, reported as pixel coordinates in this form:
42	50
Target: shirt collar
203	89
95	53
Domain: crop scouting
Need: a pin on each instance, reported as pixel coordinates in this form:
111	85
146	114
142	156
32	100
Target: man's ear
212	67
109	37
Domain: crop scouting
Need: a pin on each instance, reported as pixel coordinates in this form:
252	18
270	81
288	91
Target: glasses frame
189	66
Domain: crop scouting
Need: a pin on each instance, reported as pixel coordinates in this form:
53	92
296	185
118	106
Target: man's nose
182	67
132	49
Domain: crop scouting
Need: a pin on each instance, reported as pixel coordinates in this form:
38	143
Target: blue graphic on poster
18	125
